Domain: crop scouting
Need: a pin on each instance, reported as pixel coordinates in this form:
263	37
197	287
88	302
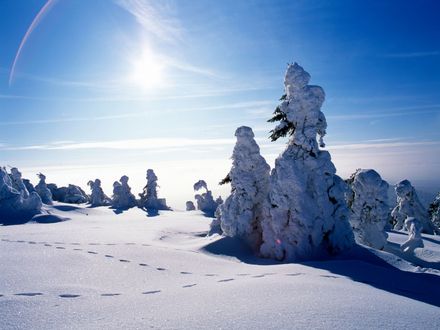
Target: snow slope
101	270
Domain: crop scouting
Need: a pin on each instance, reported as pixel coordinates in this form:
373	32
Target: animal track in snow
227	280
69	295
29	294
151	292
189	285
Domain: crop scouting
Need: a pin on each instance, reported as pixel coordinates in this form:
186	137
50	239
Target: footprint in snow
32	242
146	245
20	241
151	292
69	295
110	294
60	247
160	268
47	244
59	243
226	280
124	260
94	243
130	243
294	274
329	276
258	276
210	275
189	285
109	256
243	274
185	273
75	244
92	252
143	265
77	249
110	244
29	294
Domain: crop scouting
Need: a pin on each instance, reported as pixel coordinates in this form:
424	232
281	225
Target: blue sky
104	88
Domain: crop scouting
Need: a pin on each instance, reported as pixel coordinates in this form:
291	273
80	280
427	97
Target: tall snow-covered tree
122	196
149	196
18	183
305	215
240	215
409	206
14	206
98	198
42	190
367	199
434	213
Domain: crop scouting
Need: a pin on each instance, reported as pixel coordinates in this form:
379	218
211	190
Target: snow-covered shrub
122	196
14	206
414	228
205	201
305	215
98	198
409	206
42	190
149	197
240	215
369	211
75	195
190	206
434	213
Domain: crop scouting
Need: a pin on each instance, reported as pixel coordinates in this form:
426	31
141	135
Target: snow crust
369	211
241	214
306	214
409	205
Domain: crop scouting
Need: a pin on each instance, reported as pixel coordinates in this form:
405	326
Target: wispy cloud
151	16
128	144
413	54
384	145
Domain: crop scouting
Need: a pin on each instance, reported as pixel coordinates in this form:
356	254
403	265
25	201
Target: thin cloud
128	144
150	15
361	146
413	54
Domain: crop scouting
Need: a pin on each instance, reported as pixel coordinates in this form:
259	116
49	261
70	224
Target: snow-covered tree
18	183
97	198
190	206
75	195
367	199
409	206
205	201
149	196
42	190
434	213
29	186
14	206
122	196
305	215
241	213
414	228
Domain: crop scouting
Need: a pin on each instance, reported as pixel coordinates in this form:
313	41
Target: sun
147	70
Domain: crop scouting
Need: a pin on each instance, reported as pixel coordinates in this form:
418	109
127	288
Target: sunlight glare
147	70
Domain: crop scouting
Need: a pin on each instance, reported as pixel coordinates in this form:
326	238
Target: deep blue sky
106	88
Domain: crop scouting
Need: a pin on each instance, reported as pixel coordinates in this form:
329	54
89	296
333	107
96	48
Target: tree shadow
359	264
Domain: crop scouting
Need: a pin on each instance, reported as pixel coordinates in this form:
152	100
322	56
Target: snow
305	215
42	190
240	215
409	205
369	210
98	198
101	270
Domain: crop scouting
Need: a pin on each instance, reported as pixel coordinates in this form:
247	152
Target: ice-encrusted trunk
149	196
240	215
409	206
42	190
122	196
434	213
305	214
14	206
205	201
97	198
367	199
